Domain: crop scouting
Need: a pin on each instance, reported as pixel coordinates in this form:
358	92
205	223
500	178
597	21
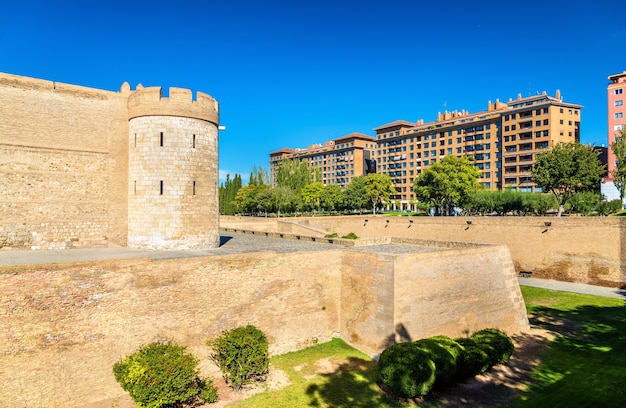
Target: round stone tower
173	170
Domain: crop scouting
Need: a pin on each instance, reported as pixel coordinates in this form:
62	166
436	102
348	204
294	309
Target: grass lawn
585	365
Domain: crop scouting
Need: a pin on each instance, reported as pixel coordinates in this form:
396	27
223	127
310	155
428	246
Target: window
194	187
161	187
193	145
538	123
619	115
617	103
161	142
545	122
619	91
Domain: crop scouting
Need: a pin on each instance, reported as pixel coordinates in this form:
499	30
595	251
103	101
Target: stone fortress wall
590	250
65	180
63	326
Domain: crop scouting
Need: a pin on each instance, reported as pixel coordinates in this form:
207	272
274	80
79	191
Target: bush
406	370
444	352
163	375
499	342
609	207
350	235
242	354
473	360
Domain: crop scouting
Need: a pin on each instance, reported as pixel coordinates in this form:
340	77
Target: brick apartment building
339	160
616	121
503	141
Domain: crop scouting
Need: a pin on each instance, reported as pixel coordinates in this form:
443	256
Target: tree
227	193
567	169
356	196
332	198
619	174
259	176
311	194
448	182
295	174
378	188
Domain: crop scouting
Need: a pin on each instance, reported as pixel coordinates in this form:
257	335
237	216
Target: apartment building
338	160
503	142
616	121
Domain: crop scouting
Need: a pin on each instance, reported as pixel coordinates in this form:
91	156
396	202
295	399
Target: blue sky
295	73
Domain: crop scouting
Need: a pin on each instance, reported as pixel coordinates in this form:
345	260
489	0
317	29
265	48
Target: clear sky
298	72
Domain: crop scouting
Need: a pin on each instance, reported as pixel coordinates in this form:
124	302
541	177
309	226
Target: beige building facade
338	160
87	168
503	142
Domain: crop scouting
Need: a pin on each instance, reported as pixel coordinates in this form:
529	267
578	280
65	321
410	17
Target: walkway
236	243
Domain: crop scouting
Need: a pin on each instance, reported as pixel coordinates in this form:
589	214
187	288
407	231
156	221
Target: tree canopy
447	182
567	169
619	173
378	189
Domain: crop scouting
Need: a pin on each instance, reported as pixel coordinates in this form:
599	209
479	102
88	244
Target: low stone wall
589	250
63	326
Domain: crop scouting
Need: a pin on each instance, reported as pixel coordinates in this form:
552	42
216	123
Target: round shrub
242	354
406	370
163	375
444	352
501	344
473	360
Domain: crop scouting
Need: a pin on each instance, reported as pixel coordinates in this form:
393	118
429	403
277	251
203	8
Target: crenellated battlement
150	102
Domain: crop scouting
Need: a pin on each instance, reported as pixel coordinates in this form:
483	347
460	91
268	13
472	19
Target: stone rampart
63	326
589	250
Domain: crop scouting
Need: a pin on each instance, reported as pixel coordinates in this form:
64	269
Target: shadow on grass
585	365
352	384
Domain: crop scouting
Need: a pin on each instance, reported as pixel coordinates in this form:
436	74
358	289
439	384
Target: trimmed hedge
412	369
473	359
242	354
499	341
444	352
406	371
163	375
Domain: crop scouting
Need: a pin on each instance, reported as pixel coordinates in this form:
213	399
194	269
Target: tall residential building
503	142
616	121
338	160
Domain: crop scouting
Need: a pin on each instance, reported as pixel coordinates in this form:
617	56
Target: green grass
585	366
352	383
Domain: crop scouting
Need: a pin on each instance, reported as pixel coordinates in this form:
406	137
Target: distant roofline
395	123
283	150
355	135
615	76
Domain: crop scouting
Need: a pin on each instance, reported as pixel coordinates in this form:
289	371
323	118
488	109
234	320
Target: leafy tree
567	169
583	203
378	188
332	198
295	174
311	194
356	195
619	174
163	375
242	354
227	193
447	182
259	176
253	199
283	197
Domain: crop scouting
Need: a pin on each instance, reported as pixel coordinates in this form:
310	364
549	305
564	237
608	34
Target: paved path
573	287
234	243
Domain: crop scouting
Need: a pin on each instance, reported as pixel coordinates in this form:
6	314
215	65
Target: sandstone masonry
87	168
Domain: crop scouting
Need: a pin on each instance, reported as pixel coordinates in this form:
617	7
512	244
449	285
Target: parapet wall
148	102
65	325
589	250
